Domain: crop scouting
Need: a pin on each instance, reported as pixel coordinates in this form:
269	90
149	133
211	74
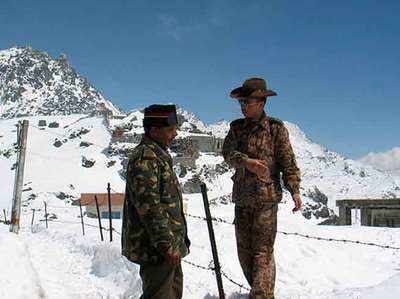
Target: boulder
87	163
54	125
57	143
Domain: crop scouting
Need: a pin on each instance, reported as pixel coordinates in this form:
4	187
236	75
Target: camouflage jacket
153	219
266	139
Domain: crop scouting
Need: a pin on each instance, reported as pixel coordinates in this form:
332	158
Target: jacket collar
158	149
262	121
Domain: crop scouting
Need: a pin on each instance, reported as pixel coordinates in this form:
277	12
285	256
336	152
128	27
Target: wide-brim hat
253	87
160	116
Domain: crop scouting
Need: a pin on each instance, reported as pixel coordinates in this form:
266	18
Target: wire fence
220	220
210	268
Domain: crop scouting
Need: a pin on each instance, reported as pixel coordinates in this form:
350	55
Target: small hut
117	203
374	212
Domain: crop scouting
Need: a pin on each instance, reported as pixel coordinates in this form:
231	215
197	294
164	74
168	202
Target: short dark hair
147	130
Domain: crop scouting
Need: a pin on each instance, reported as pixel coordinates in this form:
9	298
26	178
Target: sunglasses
249	101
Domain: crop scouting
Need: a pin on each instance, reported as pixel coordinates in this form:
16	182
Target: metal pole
19	176
45	213
109	210
98	216
217	266
33	217
83	225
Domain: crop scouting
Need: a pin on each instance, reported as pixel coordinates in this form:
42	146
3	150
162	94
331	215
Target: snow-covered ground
59	262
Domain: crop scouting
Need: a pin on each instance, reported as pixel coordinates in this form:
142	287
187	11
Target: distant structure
374	212
207	143
117	202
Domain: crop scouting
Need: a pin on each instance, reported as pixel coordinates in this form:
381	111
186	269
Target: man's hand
258	167
297	202
173	257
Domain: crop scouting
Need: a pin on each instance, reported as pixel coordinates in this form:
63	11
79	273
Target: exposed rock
54	86
306	213
389	194
224	199
61	195
52	216
347	168
317	196
54	125
57	143
42	123
78	133
322	212
87	163
332	220
85	144
8	152
111	163
222	168
318	210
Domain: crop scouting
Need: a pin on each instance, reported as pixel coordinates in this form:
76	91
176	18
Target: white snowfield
59	262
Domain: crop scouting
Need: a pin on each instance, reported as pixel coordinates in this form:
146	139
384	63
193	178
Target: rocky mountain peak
32	82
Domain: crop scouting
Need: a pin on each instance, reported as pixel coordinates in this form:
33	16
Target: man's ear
264	102
154	131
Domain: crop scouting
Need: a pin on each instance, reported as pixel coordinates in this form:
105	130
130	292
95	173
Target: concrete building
206	143
374	212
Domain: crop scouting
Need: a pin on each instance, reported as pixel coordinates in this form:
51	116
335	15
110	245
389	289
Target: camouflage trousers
161	281
255	230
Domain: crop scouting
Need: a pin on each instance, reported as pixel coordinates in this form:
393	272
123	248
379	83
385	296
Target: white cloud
386	161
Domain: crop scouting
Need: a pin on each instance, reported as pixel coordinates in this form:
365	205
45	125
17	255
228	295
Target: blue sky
334	64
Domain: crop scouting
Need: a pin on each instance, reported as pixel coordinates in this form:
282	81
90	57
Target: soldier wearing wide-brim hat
154	231
259	149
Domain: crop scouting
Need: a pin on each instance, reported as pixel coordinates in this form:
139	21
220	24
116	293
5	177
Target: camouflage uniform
153	220
256	201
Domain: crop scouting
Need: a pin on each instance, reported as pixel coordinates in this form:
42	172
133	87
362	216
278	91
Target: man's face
165	135
251	107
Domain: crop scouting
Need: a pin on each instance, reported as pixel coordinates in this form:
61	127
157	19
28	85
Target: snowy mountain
34	83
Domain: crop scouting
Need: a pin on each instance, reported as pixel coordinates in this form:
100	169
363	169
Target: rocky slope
34	83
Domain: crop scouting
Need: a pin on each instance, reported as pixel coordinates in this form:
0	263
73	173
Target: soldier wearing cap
154	231
258	147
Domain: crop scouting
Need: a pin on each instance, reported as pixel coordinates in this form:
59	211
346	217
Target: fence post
83	225
217	267
45	213
109	210
33	217
99	217
19	175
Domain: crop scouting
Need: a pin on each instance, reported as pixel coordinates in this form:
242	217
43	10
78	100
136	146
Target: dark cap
160	116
